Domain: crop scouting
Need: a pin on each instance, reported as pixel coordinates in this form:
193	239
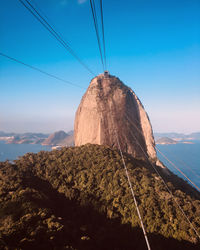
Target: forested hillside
79	198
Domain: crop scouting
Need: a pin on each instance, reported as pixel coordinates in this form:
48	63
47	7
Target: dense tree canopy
79	198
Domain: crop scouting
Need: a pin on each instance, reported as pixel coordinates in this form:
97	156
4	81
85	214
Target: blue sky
152	46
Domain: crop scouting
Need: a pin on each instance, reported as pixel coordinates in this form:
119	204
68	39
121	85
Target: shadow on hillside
85	228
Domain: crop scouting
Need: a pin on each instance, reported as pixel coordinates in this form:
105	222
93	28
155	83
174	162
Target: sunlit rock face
110	112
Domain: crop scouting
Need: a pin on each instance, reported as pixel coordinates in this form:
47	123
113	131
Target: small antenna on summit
106	74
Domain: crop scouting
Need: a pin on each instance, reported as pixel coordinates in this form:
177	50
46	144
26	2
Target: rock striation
110	112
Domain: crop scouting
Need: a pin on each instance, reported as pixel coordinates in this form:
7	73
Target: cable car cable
103	33
155	169
93	9
41	71
45	23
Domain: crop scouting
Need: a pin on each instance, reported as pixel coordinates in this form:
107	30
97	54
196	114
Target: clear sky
153	46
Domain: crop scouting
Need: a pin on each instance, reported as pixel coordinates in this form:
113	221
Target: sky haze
152	46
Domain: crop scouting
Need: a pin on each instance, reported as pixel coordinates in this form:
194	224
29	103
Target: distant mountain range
26	138
178	136
165	140
59	138
8	134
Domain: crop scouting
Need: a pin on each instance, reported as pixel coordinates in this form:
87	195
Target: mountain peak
110	111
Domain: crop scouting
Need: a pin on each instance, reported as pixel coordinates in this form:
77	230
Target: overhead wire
182	162
187	166
94	15
174	164
180	171
168	189
34	3
58	37
39	70
130	186
171	163
43	15
49	27
133	194
103	33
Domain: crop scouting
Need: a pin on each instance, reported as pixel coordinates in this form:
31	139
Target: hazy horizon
70	129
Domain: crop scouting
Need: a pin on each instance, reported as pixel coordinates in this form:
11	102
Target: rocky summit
110	112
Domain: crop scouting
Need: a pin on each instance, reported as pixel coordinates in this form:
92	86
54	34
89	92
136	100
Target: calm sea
184	156
12	151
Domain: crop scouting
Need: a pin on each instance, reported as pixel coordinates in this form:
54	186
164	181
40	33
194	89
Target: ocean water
12	151
185	156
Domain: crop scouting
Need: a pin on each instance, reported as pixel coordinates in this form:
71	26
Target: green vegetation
79	198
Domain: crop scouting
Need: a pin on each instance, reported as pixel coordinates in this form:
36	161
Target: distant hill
2	133
196	136
71	132
60	138
178	136
67	139
165	140
26	138
28	135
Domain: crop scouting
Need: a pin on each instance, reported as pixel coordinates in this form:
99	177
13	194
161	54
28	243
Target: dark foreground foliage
79	198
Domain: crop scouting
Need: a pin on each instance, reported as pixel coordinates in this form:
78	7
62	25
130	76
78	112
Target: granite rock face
110	112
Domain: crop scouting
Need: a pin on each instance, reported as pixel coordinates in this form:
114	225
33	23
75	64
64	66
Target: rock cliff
110	111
